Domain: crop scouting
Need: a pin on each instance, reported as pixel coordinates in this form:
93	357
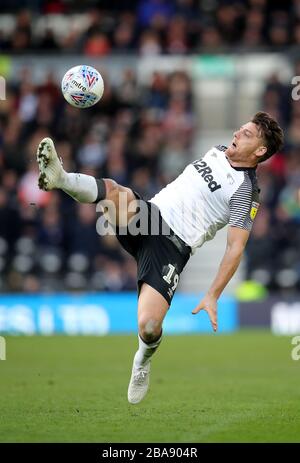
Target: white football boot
139	383
50	166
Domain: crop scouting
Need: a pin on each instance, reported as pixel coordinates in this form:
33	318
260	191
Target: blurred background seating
47	241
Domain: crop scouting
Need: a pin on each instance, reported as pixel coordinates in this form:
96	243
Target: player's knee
149	329
117	193
111	187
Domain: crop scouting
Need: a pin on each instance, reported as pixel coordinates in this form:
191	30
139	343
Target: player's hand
209	304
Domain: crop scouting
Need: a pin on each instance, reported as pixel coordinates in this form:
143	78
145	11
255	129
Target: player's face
247	143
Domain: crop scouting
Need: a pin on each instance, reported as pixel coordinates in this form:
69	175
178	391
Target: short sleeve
244	204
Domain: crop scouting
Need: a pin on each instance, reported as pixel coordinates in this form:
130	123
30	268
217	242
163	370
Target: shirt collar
241	168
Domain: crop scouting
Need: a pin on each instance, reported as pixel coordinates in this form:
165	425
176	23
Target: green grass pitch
241	387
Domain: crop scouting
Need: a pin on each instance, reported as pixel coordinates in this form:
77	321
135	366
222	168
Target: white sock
81	187
145	352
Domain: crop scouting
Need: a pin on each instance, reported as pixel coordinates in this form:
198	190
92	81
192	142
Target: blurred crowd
148	27
48	241
273	251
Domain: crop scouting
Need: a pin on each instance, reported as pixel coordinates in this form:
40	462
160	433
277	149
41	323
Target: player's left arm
236	242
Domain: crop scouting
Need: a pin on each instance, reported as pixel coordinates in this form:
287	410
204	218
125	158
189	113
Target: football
82	86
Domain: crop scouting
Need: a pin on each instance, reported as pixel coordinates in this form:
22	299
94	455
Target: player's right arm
236	242
243	207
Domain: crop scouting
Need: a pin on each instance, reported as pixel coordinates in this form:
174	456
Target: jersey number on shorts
172	277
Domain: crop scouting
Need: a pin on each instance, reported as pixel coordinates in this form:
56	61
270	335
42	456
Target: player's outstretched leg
83	188
152	308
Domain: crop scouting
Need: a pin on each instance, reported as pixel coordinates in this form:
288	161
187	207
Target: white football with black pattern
82	86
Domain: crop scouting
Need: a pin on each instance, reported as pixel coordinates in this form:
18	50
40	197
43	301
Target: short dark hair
271	132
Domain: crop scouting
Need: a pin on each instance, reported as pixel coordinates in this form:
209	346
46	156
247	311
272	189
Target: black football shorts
160	257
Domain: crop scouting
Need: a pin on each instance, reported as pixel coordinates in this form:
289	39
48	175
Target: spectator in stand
176	37
21	39
124	35
50	232
149	43
150	10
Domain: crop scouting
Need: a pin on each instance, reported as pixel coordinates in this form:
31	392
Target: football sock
145	351
83	188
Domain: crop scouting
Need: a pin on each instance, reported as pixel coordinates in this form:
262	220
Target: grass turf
243	387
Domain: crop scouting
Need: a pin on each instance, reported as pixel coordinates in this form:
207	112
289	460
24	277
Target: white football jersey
208	195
